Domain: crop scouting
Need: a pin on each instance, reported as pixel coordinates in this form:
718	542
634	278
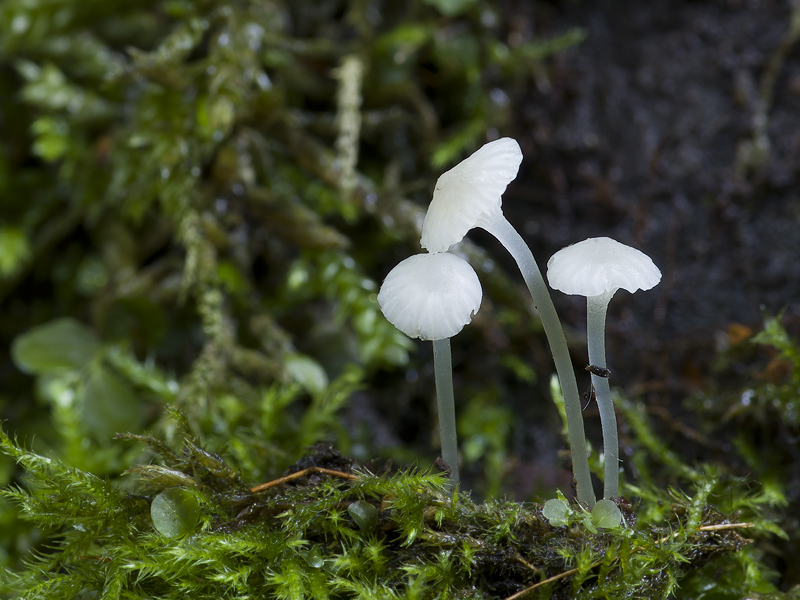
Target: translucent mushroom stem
499	227
596	308
445	399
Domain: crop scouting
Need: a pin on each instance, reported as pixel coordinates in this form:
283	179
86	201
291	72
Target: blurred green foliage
172	171
743	435
198	200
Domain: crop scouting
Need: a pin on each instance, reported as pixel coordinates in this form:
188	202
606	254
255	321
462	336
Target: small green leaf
55	347
109	404
307	372
364	514
215	116
231	277
175	512
775	335
464	140
586	519
606	515
451	8
51	138
556	511
15	250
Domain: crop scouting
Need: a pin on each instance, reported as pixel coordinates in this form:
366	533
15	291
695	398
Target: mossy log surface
300	537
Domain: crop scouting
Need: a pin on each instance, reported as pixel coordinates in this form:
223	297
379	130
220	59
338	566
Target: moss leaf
175	512
109	404
606	515
55	347
556	511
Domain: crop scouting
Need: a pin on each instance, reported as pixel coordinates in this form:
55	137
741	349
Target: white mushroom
470	193
432	297
468	196
597	268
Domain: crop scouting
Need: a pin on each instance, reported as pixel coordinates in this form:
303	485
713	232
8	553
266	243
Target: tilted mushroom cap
599	265
430	296
468	191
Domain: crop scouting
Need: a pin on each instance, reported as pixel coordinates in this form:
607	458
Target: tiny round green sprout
606	515
364	514
175	512
556	511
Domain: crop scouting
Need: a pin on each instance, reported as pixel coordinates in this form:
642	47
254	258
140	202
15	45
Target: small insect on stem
589	396
599	371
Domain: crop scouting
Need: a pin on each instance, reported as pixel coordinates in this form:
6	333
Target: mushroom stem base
596	308
445	399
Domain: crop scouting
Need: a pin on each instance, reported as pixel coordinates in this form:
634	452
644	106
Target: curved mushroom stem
445	399
596	307
499	227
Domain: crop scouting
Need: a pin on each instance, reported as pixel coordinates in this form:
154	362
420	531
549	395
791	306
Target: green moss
304	536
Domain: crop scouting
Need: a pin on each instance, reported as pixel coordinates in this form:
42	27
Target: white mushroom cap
600	265
468	191
431	296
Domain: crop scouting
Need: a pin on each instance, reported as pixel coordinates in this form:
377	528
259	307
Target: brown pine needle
722	526
719	527
298	475
541	583
524	562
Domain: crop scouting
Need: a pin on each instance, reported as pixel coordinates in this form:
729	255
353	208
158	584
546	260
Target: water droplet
254	34
263	81
314	558
499	97
20	24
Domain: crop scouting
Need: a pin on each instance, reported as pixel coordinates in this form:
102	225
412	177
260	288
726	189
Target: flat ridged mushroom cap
599	265
431	296
468	191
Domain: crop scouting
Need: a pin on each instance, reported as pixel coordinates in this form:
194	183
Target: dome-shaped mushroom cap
431	296
599	265
468	191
